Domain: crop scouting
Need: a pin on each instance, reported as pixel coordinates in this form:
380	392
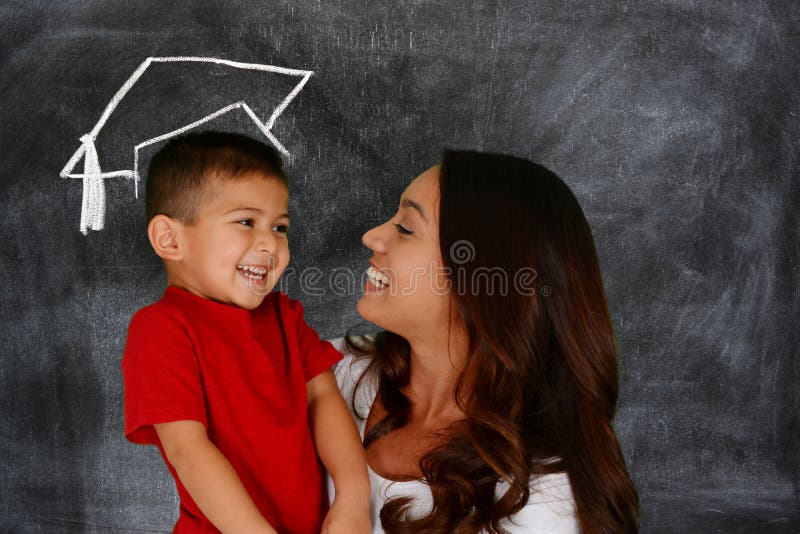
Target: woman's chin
366	309
363	307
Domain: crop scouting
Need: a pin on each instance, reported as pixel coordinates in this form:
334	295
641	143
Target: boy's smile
237	247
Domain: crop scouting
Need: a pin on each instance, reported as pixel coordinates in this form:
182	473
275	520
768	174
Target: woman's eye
282	228
402	229
246	222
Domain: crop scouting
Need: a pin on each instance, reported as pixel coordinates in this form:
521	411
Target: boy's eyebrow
408	203
255	210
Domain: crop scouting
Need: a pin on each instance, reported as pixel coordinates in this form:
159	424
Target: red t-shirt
243	375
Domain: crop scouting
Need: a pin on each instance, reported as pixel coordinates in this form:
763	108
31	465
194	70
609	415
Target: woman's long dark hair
540	380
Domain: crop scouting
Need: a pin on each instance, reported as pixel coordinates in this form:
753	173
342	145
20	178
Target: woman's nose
375	239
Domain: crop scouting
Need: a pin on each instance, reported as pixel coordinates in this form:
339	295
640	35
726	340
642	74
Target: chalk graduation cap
173	95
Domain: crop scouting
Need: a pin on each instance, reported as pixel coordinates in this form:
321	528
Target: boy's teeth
257	270
256	273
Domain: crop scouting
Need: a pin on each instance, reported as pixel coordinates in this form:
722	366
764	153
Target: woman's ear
163	233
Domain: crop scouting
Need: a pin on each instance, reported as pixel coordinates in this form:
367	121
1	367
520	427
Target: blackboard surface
675	122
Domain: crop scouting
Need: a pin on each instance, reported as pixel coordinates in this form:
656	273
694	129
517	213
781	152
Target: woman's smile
376	279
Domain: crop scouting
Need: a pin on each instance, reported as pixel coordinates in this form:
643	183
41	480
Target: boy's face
237	247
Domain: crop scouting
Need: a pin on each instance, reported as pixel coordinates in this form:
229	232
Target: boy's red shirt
243	375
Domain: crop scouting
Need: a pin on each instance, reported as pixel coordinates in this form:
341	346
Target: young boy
222	374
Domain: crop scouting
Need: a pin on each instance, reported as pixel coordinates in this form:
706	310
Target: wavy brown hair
539	386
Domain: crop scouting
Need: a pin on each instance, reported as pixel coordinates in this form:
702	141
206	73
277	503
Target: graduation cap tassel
93	205
93	208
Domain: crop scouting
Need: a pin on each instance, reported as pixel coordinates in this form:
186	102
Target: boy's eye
402	229
282	228
246	222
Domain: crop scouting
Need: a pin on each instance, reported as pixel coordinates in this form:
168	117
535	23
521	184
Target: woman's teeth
377	278
256	273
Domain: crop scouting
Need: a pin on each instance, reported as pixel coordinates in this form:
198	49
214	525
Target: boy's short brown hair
180	174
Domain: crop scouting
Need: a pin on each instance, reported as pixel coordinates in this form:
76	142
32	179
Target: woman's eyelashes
402	229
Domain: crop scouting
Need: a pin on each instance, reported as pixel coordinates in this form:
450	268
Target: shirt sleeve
317	355
161	375
549	510
348	373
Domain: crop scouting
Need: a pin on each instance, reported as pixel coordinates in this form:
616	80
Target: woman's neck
435	364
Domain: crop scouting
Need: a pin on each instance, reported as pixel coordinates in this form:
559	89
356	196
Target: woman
486	404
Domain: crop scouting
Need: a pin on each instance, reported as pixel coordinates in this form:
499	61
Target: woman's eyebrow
408	203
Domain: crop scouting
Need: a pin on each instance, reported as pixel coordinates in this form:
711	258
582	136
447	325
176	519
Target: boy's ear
163	233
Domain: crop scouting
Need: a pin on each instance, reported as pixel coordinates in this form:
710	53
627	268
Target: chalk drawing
93	205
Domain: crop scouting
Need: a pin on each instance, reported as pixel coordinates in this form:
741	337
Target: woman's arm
339	447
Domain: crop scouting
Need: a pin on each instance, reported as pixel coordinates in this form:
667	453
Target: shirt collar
211	307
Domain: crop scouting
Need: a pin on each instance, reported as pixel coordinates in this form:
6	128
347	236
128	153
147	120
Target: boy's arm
210	479
339	447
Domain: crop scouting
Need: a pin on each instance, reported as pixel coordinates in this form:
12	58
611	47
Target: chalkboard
675	123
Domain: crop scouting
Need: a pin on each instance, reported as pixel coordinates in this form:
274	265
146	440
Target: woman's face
410	295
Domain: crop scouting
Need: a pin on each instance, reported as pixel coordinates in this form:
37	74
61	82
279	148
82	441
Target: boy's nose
266	243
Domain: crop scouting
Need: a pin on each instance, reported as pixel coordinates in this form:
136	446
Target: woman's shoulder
550	507
348	372
350	368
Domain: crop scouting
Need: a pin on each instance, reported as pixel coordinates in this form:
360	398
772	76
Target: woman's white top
550	508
